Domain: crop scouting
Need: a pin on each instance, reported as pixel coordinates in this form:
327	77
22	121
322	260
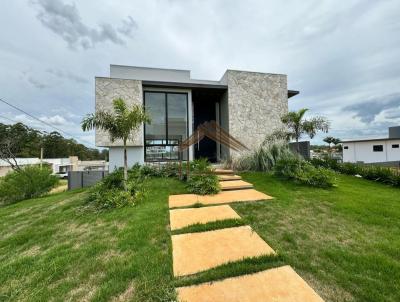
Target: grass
343	241
52	249
214	225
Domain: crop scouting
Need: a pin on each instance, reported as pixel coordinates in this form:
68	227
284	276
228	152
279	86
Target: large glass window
168	127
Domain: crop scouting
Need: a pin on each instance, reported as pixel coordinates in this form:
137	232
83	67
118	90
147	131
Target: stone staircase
229	181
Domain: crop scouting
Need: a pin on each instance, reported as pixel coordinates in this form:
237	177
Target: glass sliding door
169	125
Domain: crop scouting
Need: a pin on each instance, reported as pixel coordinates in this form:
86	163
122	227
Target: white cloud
336	55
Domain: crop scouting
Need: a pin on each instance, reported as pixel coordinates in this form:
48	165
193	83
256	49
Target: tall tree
297	125
120	124
331	140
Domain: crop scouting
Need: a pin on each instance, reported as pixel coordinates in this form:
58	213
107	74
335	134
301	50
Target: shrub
203	184
110	193
263	158
293	167
376	173
29	182
202	180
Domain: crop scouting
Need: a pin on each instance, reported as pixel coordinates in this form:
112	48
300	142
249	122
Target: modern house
248	105
374	150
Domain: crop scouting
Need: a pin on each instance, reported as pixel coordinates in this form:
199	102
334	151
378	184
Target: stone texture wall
256	103
107	90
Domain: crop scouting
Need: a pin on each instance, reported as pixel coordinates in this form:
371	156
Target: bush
29	182
263	158
203	184
110	192
293	167
202	180
376	173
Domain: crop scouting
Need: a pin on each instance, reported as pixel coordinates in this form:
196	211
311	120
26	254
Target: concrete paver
280	284
181	218
196	252
235	185
228	177
183	200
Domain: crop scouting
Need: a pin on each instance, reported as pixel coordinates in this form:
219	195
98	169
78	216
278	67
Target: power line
43	122
6	118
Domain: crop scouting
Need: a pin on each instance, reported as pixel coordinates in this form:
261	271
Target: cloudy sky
344	56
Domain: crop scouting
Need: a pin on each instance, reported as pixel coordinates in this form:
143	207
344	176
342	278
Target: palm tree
331	140
120	124
297	125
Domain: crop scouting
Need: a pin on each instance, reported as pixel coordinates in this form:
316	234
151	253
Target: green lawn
344	241
51	248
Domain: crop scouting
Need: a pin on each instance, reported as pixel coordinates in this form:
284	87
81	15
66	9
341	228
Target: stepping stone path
280	284
197	252
231	196
181	218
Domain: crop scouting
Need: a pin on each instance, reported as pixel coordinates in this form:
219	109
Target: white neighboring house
60	166
378	150
5	167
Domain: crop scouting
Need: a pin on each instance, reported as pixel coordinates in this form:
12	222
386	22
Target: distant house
247	105
58	165
374	150
5	167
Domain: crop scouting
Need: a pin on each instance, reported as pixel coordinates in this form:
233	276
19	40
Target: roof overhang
183	85
291	93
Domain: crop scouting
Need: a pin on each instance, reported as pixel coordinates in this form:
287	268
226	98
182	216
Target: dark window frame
395	146
377	148
346	147
166	125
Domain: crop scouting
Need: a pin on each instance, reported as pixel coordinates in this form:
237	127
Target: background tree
297	125
120	124
24	141
331	140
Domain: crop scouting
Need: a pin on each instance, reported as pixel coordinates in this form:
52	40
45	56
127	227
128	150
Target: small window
378	148
395	146
346	147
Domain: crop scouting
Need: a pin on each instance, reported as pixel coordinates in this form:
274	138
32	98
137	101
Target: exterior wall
363	151
116	157
256	102
107	90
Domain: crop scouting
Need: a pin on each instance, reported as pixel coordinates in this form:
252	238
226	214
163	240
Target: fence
82	179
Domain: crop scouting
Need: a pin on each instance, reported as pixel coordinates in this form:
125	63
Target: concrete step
235	185
223	172
228	177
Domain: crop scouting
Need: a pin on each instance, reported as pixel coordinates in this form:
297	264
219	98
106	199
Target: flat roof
168	77
369	140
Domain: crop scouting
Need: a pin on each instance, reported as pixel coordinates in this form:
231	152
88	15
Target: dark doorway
205	102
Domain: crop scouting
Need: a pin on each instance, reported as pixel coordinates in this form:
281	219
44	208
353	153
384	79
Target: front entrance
205	109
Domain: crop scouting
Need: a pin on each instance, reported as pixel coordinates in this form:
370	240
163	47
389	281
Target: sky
343	56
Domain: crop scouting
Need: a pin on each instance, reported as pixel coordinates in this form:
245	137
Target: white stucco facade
363	151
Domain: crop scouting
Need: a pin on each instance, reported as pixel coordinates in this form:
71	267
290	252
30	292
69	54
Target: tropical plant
120	124
262	158
202	180
297	125
114	192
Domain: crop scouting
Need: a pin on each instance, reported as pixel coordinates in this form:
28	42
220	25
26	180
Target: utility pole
41	157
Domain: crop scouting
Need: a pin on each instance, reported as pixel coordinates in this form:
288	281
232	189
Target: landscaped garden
343	241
